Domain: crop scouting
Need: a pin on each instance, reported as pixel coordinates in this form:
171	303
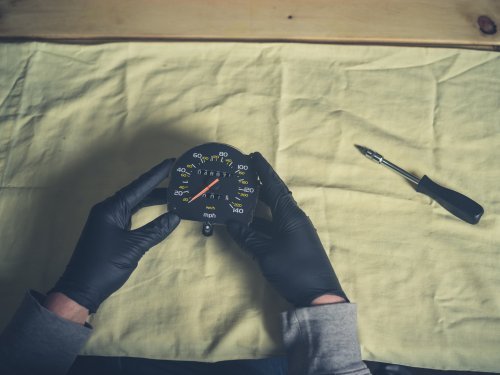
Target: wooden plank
408	22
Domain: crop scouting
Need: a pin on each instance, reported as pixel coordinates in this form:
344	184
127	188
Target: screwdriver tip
361	149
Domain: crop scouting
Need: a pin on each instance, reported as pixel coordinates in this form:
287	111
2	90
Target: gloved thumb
157	230
248	238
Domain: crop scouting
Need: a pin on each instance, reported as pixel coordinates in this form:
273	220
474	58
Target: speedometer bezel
219	215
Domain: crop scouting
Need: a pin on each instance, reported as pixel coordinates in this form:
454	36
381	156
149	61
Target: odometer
213	183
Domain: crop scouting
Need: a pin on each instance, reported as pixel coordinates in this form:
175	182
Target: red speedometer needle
204	190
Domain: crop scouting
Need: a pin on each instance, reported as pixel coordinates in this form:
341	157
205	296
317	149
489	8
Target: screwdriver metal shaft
372	155
458	204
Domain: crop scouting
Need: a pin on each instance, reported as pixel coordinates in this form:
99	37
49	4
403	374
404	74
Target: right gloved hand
288	249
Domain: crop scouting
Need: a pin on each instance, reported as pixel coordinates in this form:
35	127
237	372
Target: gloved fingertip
169	160
235	228
171	220
233	224
160	228
167	163
256	157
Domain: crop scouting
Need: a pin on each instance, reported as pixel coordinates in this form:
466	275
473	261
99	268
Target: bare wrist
326	299
66	308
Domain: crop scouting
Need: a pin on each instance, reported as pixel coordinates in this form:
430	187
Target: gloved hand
288	249
108	251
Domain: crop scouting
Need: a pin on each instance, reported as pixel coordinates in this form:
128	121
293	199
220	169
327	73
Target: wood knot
486	25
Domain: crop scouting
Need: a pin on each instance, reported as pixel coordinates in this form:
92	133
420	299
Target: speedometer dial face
213	183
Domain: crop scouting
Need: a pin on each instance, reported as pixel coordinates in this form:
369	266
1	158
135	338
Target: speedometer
213	183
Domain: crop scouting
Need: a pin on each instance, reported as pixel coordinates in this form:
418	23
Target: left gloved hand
108	251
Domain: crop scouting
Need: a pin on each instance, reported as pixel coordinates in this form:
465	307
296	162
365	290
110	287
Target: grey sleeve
323	340
37	341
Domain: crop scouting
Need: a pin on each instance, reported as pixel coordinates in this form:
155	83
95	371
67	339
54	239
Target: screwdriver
458	204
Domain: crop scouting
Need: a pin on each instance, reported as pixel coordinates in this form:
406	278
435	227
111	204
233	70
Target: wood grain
408	22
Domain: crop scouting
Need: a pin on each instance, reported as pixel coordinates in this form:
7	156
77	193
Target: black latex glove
108	251
288	249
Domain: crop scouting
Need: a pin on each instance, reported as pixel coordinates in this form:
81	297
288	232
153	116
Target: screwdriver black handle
458	204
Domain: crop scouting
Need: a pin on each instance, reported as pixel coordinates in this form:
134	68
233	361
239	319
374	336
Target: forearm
39	341
66	308
323	340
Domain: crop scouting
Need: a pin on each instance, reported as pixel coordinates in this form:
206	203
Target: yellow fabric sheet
79	122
